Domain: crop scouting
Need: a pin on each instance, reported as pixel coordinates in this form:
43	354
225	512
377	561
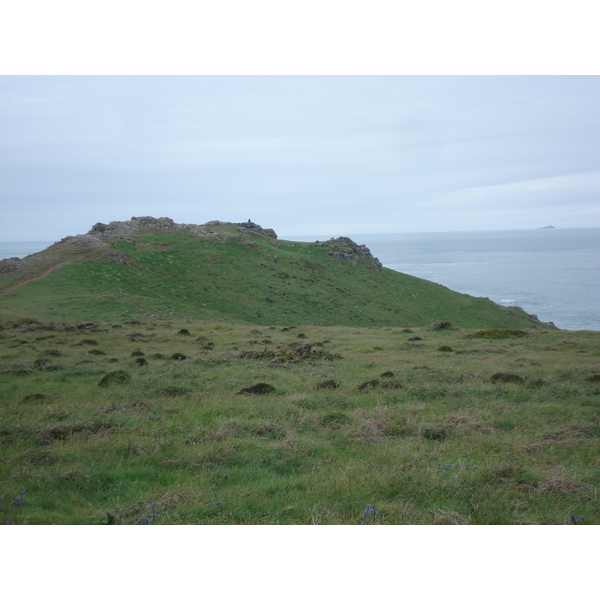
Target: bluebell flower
362	447
369	511
573	519
218	503
156	516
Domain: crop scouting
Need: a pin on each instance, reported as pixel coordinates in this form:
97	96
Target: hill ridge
237	272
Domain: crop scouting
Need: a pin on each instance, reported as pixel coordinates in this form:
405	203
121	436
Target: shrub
442	325
40	363
114	377
497	334
436	433
258	388
176	391
184	332
328	384
38	398
506	378
137	352
368	385
178	356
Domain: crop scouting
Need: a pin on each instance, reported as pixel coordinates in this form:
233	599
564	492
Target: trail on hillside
44	274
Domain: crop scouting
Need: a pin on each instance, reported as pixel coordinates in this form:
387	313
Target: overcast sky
303	155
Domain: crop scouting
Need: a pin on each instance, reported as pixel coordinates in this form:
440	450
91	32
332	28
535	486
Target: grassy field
128	421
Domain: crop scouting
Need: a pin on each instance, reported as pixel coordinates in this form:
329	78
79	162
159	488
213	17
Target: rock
254	229
9	264
343	248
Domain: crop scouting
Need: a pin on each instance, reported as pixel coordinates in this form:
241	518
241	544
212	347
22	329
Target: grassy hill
232	272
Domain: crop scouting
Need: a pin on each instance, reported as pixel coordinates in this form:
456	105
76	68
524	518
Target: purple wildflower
370	511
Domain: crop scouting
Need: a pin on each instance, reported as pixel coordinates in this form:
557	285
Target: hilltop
235	272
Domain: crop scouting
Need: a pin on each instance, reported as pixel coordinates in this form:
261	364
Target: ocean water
21	249
552	273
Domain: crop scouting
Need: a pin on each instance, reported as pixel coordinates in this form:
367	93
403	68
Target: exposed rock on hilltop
343	248
9	264
123	229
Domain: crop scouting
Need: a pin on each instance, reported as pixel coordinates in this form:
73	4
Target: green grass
241	279
437	442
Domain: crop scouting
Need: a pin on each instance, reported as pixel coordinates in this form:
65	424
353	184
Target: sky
301	154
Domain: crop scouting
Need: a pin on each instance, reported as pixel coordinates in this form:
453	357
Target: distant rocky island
548	227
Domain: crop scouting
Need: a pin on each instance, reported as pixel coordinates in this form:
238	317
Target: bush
506	378
114	377
328	384
258	388
497	334
176	391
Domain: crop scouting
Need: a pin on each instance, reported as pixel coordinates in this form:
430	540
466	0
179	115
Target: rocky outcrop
343	248
254	229
124	229
9	264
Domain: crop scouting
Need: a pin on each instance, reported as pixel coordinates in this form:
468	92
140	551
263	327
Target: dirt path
44	274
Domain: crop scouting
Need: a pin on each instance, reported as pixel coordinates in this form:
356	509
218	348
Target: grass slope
362	425
243	278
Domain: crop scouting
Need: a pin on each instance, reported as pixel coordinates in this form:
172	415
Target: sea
552	273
